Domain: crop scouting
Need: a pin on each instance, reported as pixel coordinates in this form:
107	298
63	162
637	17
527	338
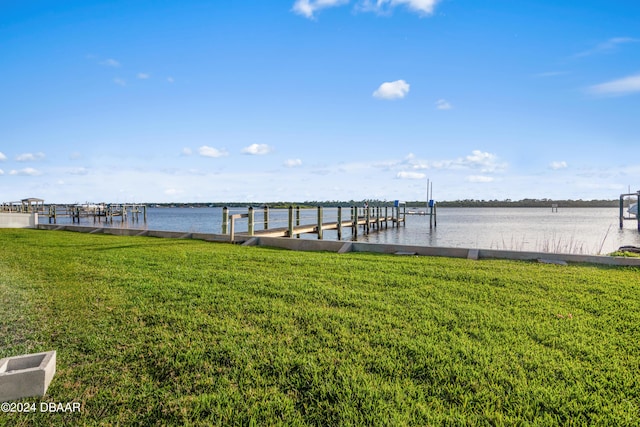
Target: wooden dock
367	218
106	211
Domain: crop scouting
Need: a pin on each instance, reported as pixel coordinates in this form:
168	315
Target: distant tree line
466	203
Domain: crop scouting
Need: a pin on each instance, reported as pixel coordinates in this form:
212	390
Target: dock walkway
369	218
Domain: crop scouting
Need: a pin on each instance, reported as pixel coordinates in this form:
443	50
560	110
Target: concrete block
347	247
473	254
26	375
251	242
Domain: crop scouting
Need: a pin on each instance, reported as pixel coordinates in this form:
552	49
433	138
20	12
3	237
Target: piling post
298	219
367	216
250	221
319	222
638	210
354	223
290	221
339	222
435	215
378	218
386	217
430	214
225	219
232	233
144	213
266	217
621	217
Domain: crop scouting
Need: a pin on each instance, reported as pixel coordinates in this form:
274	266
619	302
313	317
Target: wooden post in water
386	217
354	222
320	222
339	222
225	219
393	216
144	215
298	219
266	217
290	221
622	211
367	216
233	229
435	215
431	202
638	210
250	226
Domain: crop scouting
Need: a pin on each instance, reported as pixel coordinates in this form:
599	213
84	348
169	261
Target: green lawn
178	332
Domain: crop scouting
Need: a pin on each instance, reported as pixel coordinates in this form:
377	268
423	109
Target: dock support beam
354	222
367	215
266	217
290	221
320	222
339	222
250	221
225	219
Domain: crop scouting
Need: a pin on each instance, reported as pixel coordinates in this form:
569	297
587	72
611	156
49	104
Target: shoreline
350	246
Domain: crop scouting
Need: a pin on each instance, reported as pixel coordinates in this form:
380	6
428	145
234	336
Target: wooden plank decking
313	228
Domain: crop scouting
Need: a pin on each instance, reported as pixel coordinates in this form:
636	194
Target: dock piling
319	222
339	222
290	221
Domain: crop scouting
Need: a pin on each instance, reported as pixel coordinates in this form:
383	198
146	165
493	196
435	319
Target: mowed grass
177	332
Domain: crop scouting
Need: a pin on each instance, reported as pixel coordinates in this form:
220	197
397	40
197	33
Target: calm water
570	230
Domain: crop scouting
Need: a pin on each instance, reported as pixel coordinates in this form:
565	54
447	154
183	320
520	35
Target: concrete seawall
347	246
18	220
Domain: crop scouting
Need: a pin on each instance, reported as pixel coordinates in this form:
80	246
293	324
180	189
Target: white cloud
308	8
186	151
423	7
478	160
410	175
257	149
75	155
558	165
206	151
623	86
480	178
79	171
481	159
607	46
1	172
442	104
26	172
30	157
143	76
392	90
292	163
110	63
120	82
170	79
2	157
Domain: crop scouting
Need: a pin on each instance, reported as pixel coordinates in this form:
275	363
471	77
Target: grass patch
179	332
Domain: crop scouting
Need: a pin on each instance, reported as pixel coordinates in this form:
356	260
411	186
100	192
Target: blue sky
160	101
